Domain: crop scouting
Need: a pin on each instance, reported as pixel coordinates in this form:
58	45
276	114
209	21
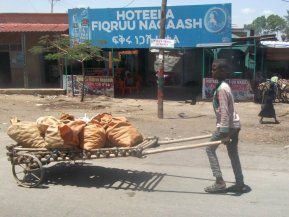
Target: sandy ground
181	119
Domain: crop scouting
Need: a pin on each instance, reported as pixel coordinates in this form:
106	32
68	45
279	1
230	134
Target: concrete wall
34	66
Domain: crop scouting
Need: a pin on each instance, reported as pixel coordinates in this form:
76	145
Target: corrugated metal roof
22	27
33	22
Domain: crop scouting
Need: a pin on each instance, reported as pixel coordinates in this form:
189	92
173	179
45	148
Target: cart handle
184	139
182	147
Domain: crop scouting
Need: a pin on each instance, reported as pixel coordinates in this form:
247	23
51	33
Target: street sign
162	43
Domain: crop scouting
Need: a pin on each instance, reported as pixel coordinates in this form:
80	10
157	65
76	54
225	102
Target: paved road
167	184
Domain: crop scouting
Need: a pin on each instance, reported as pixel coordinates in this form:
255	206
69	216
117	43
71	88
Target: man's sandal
216	188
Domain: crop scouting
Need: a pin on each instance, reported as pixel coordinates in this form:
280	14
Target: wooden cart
28	163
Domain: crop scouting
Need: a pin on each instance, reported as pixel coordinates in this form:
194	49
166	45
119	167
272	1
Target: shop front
126	33
248	62
19	68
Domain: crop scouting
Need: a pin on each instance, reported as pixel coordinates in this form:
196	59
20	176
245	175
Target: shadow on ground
87	175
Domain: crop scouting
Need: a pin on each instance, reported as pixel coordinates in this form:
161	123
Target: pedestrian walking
267	106
227	130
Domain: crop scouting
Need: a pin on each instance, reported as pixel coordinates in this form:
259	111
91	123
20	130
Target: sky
243	11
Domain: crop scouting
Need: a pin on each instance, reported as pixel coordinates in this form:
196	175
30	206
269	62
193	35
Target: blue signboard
188	26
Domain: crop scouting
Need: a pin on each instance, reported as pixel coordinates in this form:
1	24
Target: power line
52	4
132	1
32	6
66	4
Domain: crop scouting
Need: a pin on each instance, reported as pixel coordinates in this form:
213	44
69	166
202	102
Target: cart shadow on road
88	175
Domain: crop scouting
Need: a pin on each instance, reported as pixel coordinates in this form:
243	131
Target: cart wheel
27	170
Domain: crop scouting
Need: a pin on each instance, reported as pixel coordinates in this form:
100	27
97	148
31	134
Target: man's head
220	69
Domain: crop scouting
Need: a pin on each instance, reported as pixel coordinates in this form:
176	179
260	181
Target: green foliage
287	17
273	24
260	25
58	47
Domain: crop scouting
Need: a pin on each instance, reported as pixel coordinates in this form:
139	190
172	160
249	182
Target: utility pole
161	68
52	4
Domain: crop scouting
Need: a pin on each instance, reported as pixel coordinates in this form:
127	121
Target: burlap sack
53	138
65	118
71	132
94	137
64	135
44	122
103	119
122	134
26	134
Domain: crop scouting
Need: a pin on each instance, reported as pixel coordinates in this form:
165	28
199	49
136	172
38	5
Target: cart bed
27	163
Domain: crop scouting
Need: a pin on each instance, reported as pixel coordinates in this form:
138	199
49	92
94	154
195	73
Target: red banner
95	85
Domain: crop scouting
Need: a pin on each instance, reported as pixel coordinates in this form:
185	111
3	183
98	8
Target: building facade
19	68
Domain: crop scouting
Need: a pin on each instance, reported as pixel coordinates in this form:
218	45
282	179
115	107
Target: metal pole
52	5
25	74
203	66
112	62
255	59
52	1
112	69
65	69
262	61
161	69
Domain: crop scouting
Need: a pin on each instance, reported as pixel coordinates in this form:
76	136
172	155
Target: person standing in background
267	107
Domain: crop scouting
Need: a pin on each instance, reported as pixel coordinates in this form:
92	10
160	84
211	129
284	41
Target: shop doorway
129	61
5	71
52	74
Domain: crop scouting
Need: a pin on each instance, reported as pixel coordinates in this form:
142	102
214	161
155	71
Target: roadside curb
23	91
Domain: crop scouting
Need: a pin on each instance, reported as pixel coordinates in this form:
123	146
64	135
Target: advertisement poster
241	88
189	25
94	85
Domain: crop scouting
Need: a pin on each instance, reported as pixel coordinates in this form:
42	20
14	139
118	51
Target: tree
275	24
285	36
271	24
258	25
58	47
287	17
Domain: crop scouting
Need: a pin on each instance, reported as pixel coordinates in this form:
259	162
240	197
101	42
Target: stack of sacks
119	132
62	133
93	137
71	133
102	130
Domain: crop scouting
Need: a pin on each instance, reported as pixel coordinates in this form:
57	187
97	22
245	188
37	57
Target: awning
214	45
275	44
277	54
